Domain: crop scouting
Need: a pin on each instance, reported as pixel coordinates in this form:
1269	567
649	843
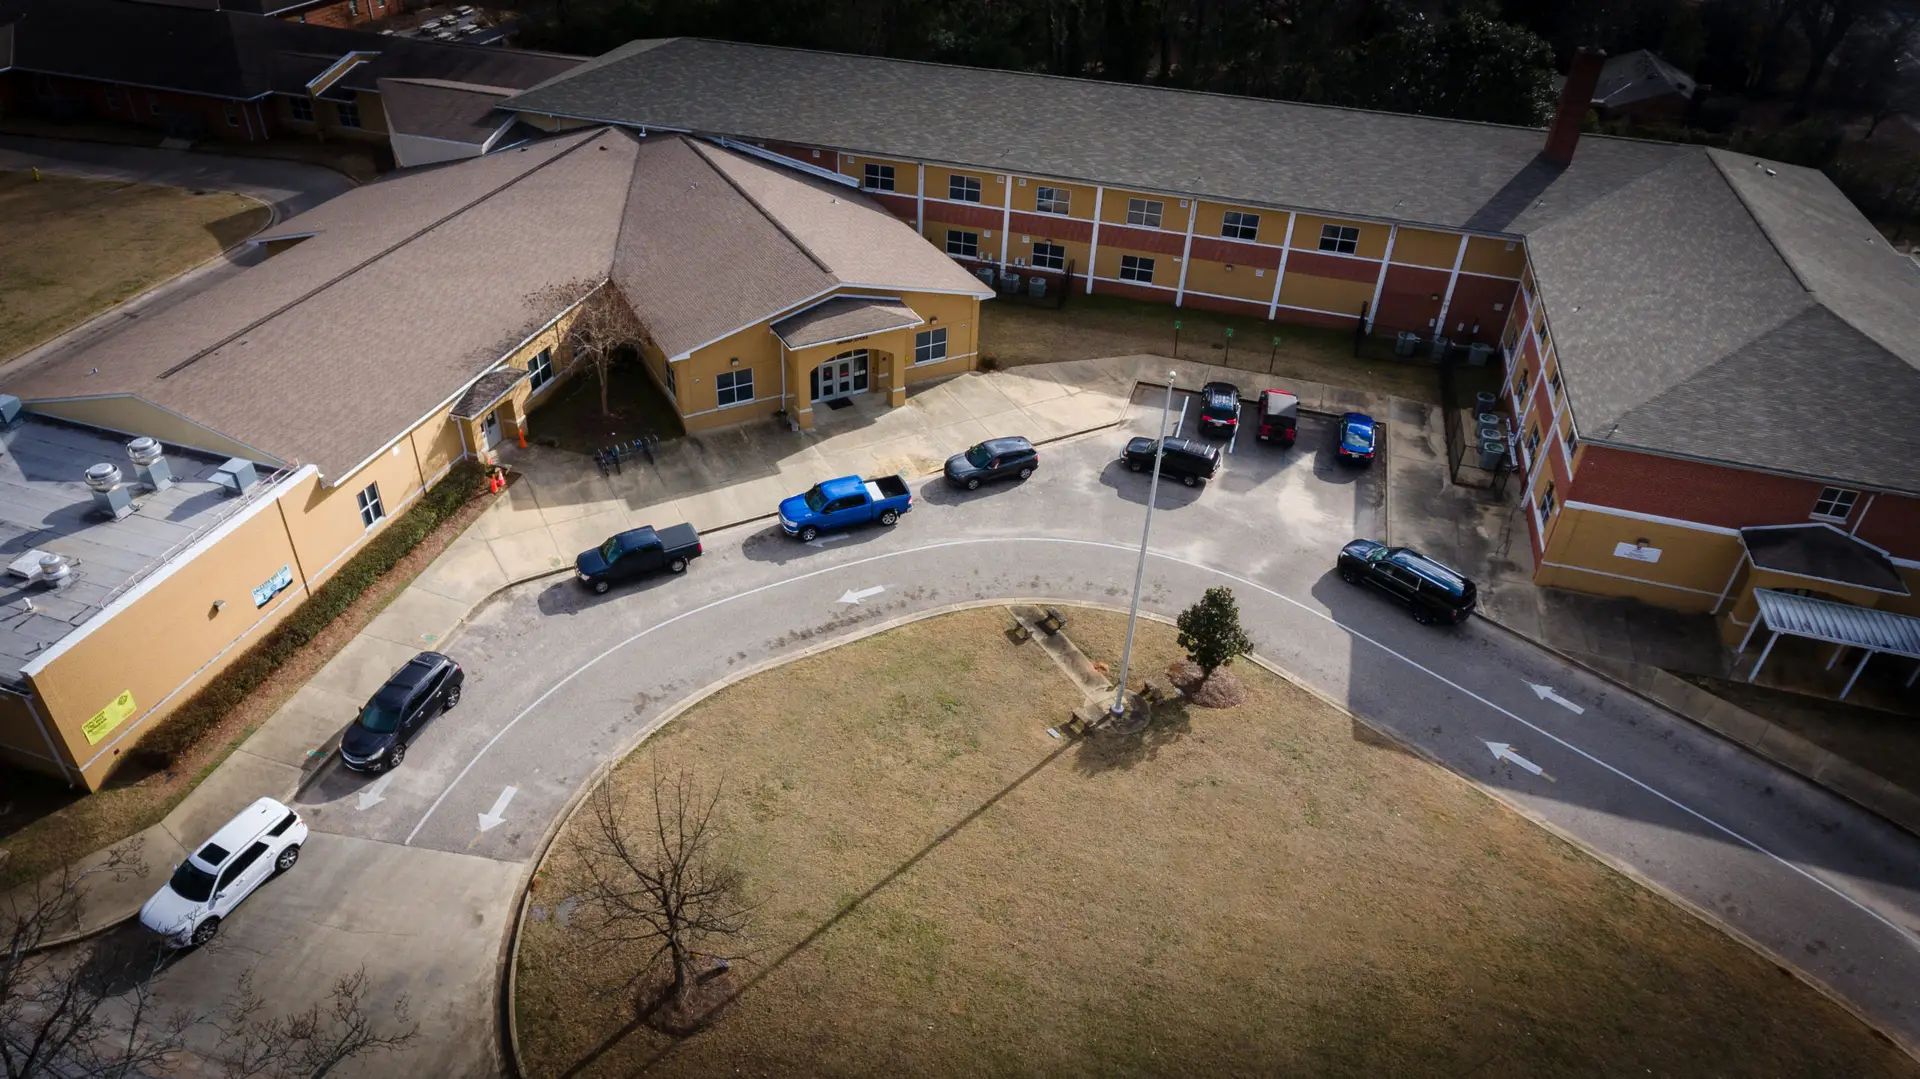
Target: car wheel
1422	615
600	588
809	534
453	700
396	755
1135	466
973	483
1026	473
1190	481
887	517
678	565
1349	575
287	858
205	931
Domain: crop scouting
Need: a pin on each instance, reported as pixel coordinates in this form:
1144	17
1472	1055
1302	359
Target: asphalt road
559	681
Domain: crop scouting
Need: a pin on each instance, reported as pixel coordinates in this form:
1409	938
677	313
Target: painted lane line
820	542
851	596
1504	752
376	792
1905	935
1178	427
1546	693
492	817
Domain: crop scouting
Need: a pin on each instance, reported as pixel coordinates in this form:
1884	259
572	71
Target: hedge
177	733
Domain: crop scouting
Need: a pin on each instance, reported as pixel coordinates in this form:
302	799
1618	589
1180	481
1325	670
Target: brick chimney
1576	96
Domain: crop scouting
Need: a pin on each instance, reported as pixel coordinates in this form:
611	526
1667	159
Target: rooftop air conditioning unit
237	476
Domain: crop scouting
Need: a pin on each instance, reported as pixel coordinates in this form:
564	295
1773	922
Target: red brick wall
1406	301
1311	262
204	117
901	206
1473	301
1052	227
972	217
1238	254
1891	523
1133	292
348	12
1164	243
1223	304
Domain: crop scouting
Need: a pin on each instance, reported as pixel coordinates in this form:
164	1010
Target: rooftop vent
9	410
110	496
237	476
150	463
27	566
55	570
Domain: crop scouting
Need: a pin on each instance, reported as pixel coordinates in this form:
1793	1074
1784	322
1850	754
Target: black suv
1219	408
1193	463
1434	592
428	685
1007	458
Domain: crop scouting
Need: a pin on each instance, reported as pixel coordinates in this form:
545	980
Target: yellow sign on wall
106	719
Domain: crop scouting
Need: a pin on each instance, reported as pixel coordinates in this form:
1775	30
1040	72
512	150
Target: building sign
106	719
1636	552
274	586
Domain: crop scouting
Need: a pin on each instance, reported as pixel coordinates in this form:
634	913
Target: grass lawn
1268	890
571	419
1090	327
74	247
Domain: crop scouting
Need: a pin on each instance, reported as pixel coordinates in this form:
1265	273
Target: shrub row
174	735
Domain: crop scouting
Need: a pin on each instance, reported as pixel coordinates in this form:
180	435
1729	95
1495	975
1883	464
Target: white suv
262	840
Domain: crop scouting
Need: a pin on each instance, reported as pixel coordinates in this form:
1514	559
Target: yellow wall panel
1325	293
134	416
1240	282
1372	244
1493	257
1421	247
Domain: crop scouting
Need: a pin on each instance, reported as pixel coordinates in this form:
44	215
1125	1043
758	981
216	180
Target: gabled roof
1822	552
843	318
441	109
1637	76
1414	169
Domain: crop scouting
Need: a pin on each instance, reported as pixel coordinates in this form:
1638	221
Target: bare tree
602	326
661	885
255	1044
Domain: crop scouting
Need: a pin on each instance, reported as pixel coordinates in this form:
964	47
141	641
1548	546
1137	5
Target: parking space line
1183	416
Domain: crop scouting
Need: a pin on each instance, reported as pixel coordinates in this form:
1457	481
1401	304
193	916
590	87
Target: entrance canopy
844	318
1840	624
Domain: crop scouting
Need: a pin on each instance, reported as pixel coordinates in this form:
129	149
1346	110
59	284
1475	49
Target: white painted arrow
851	596
831	537
495	815
376	792
1546	693
1504	752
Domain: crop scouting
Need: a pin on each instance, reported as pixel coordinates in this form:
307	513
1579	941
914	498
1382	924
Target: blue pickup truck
843	503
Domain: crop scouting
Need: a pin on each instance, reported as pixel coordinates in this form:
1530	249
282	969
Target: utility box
237	476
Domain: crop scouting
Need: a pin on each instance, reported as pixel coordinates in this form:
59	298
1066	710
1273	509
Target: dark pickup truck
633	554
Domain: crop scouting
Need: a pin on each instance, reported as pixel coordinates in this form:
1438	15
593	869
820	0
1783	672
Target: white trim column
1380	283
1764	652
1446	302
1860	520
1006	218
920	200
1186	252
1865	655
1279	275
1093	248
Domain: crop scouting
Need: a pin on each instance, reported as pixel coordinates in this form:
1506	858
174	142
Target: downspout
1186	252
1858	521
1093	248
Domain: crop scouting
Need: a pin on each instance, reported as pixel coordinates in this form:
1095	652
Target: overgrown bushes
179	732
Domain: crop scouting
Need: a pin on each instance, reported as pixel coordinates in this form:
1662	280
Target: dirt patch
44	823
73	248
571	420
945	889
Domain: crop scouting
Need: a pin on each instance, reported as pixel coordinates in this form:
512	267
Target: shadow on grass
1108	749
646	1012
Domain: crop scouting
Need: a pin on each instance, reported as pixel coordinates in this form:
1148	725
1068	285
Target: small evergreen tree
1210	631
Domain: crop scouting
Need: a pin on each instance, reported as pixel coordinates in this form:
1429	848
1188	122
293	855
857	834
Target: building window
1570	440
1546	501
1834	504
1520	387
153	104
353	8
348	113
1242	226
879	178
1051	200
673	390
370	508
113	98
301	109
1533	442
233	116
931	346
734	387
1048	256
1136	268
963	188
1340	239
963	244
540	370
1145	212
1553	383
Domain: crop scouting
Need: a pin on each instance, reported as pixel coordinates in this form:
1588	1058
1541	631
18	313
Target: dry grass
74	247
1090	327
1268	889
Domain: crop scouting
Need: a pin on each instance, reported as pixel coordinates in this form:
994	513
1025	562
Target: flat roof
45	505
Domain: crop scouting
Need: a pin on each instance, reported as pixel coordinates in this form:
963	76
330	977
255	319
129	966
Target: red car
1279	417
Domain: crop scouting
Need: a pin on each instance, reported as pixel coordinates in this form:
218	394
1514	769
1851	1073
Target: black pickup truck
633	554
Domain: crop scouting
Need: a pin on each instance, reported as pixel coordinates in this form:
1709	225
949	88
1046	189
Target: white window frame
372	509
153	105
1340	239
972	239
347	113
930	346
1145	212
1546	503
297	105
1240	225
1054	258
233	115
877	177
1053	200
540	371
673	389
114	97
1136	268
963	188
1834	504
735	378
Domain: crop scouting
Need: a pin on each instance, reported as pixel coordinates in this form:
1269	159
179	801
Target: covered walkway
1842	625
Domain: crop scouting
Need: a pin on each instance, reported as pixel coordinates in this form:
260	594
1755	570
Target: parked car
1434	592
428	685
262	840
1356	435
1278	419
995	459
636	553
843	503
1193	463
1219	408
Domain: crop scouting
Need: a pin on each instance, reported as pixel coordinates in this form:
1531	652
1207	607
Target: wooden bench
1054	622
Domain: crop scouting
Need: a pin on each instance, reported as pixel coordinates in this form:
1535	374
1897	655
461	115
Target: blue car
1357	437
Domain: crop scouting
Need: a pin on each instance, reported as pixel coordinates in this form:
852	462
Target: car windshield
815	500
610	549
1359	438
1221	402
380	716
192	882
978	456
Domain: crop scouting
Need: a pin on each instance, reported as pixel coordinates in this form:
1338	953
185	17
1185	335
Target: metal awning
1839	624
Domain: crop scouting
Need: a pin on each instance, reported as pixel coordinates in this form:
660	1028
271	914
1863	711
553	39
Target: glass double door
842	376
